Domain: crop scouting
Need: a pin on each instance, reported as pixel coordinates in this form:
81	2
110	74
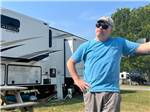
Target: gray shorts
102	102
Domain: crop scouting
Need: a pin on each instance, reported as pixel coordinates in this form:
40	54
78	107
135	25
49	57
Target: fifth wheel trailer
34	55
64	45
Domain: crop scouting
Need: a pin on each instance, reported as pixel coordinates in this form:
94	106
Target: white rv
34	55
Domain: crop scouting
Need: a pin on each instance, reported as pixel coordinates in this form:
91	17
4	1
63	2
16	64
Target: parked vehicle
34	55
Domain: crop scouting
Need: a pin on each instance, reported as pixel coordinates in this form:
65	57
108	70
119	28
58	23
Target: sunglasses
102	25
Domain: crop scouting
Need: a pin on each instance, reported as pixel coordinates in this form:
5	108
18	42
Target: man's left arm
143	48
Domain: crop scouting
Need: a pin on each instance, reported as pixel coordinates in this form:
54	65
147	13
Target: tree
133	24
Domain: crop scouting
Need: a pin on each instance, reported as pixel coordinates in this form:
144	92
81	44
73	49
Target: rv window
50	38
10	23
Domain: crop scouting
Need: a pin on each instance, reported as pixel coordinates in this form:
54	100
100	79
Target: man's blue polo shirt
102	62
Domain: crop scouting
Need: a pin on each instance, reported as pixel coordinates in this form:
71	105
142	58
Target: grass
69	105
135	101
132	101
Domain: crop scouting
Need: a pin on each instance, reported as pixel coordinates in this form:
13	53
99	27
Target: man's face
103	30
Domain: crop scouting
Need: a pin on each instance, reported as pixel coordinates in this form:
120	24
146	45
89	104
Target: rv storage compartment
23	74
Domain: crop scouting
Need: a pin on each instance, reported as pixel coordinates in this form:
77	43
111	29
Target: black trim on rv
5	49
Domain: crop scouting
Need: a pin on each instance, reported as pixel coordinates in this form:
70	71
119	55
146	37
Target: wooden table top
5	88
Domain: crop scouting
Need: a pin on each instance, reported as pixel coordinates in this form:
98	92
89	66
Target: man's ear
111	29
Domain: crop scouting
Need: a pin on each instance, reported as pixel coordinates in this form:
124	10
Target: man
102	58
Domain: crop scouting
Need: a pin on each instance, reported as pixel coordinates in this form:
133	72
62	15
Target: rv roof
5	10
57	33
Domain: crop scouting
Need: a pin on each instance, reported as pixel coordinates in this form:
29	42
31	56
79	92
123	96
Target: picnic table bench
15	90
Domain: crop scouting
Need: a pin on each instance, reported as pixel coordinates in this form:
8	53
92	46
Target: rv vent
45	23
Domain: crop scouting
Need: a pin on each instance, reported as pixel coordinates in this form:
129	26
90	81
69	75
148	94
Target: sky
77	17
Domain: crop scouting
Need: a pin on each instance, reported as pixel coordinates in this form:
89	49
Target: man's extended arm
143	48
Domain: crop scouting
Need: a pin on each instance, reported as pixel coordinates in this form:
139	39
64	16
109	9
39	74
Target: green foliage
133	24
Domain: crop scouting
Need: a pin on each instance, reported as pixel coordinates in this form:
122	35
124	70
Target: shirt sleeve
129	47
78	55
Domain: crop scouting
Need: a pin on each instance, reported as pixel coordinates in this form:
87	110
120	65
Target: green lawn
135	101
132	101
70	105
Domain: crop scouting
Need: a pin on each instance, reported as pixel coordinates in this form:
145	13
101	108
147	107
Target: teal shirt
102	62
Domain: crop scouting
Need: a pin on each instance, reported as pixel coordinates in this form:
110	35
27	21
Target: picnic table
15	90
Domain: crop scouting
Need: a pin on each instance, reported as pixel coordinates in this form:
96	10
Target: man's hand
73	72
144	48
81	84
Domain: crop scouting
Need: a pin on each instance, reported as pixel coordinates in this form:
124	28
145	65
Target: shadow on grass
127	91
75	99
